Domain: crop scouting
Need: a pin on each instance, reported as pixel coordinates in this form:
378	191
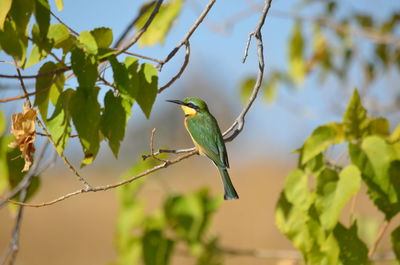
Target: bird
206	135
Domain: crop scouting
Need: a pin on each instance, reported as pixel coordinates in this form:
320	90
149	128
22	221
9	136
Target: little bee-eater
206	136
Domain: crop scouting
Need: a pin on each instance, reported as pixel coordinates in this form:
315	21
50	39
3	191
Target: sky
216	58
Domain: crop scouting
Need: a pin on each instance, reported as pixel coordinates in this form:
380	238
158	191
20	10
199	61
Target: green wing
205	131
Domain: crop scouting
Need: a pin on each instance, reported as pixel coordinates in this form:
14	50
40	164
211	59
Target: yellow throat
188	111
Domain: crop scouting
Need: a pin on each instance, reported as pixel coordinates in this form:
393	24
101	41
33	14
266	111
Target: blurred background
81	230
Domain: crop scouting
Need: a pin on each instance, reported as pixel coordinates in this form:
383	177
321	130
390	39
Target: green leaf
103	37
12	41
21	12
321	138
297	63
157	248
379	126
270	87
374	159
59	122
334	193
3	154
85	68
123	79
161	24
59	4
36	56
352	249
148	82
395	238
5	6
45	85
42	15
85	113
58	34
113	120
88	42
355	119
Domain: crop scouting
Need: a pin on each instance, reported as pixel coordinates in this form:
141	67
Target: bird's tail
230	192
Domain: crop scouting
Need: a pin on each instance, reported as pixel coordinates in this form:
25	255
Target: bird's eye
190	105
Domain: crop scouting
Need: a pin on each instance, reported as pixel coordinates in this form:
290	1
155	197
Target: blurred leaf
246	87
123	79
395	238
321	138
3	154
89	43
113	121
379	126
36	56
355	119
296	61
84	67
382	53
157	248
352	249
103	37
211	254
59	4
335	193
59	122
84	101
270	88
44	86
161	24
42	15
364	20
5	6
12	41
148	84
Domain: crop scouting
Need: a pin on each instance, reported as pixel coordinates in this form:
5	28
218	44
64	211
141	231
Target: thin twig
178	75
140	56
239	122
188	34
139	33
109	186
58	71
45	134
378	239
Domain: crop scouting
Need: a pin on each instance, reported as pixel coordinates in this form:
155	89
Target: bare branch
58	71
188	34
239	122
109	186
178	75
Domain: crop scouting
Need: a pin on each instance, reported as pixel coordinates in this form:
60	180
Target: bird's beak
176	102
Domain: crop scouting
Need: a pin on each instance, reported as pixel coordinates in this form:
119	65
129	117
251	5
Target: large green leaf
5	6
103	37
321	138
42	15
161	24
21	11
297	62
123	79
58	33
59	122
352	249
85	68
12	41
334	192
85	113
44	86
355	119
113	120
147	90
374	159
88	42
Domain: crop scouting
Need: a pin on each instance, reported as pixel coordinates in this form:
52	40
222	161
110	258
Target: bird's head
191	106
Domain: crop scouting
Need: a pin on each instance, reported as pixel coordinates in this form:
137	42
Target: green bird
206	136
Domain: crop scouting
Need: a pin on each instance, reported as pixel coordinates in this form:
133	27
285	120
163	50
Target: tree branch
378	239
239	122
178	75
